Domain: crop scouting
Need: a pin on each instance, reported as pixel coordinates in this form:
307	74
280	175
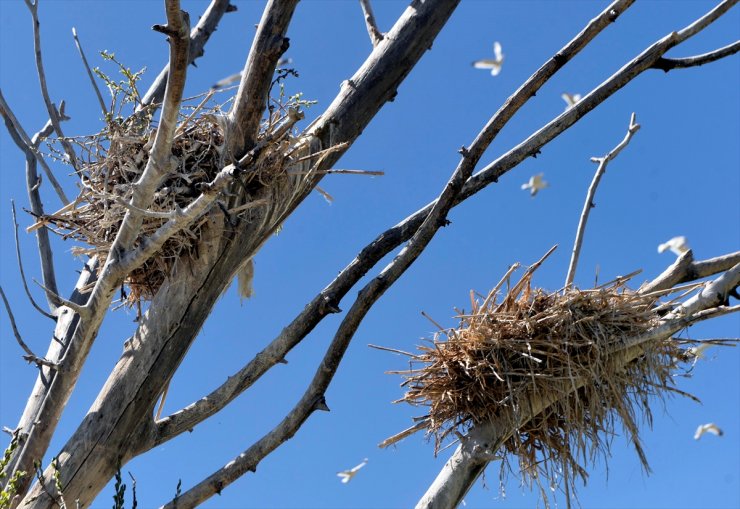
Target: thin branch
376	36
251	99
43	243
94	84
313	398
61	301
198	38
20	265
666	64
54	114
26	145
30	356
589	204
327	301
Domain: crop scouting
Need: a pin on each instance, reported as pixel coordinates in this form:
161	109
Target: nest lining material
114	159
531	343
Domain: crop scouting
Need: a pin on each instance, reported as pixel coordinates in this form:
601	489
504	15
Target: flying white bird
698	351
347	475
282	62
493	64
677	244
570	99
707	428
535	184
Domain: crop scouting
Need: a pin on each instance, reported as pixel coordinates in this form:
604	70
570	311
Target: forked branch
589	204
376	36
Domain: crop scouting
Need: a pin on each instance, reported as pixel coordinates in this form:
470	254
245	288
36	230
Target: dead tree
265	169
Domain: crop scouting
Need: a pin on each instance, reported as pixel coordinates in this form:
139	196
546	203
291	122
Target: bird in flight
282	62
347	475
677	244
707	428
493	64
570	99
536	184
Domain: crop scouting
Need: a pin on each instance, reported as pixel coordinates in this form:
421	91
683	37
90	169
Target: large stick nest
114	159
525	344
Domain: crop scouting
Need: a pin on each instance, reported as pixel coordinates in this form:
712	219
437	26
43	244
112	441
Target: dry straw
521	343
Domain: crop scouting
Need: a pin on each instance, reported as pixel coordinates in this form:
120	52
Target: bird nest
113	160
524	345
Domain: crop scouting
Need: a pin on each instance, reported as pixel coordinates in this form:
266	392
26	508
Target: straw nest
523	345
112	160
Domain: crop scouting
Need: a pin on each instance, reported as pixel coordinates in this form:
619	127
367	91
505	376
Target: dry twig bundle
528	343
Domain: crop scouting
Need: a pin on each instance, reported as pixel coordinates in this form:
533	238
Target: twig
251	99
20	266
376	36
25	144
61	301
666	64
103	108
199	36
54	115
30	356
589	204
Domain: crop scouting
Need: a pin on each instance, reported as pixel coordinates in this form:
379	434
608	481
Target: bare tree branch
20	266
26	145
376	36
54	115
103	108
327	301
686	269
94	310
666	64
313	398
30	356
589	204
198	38
251	99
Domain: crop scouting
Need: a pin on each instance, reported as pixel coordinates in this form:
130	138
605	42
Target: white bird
493	64
707	428
677	244
570	99
698	351
536	184
347	475
282	62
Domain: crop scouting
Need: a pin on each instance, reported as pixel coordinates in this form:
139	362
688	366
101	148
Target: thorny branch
589	204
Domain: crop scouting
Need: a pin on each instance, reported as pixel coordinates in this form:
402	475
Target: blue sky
679	176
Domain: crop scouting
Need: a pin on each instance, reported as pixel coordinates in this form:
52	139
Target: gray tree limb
666	64
251	99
